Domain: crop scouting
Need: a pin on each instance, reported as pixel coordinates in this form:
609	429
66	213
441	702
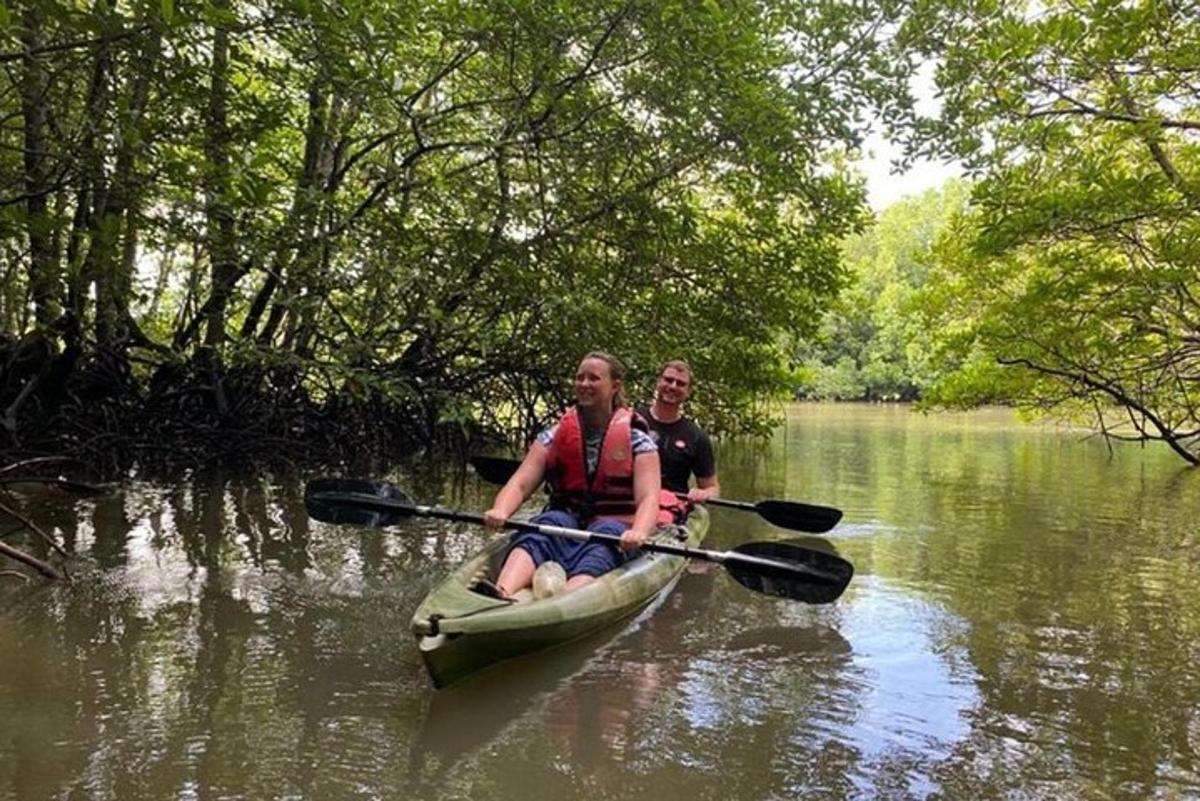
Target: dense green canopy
430	209
412	218
873	344
1073	284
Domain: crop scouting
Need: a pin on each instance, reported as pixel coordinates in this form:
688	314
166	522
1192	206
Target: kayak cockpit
460	631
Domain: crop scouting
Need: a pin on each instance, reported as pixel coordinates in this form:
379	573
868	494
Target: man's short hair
678	364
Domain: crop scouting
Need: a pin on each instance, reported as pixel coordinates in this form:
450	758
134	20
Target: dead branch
40	461
34	528
76	487
44	568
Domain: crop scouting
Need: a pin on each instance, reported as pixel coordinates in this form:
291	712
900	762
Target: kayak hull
460	632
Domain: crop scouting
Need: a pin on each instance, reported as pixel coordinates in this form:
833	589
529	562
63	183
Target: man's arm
706	488
705	469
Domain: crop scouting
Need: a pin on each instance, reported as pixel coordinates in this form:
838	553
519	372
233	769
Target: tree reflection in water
1022	624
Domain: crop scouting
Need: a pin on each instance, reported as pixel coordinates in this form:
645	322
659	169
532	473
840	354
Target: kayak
459	631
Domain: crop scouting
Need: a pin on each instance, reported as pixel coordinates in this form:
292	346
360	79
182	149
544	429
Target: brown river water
1024	623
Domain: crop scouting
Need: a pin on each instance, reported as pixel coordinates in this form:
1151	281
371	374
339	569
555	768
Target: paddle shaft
786	514
375	503
743	505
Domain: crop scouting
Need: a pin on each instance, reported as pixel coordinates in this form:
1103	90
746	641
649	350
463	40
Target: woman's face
594	384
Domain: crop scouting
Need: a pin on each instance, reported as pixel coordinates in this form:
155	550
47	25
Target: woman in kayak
603	471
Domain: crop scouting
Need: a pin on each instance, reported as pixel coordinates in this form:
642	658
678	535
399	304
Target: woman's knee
577	581
519	556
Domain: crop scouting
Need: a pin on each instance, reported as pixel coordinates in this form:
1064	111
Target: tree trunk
82	247
217	211
44	284
296	245
115	237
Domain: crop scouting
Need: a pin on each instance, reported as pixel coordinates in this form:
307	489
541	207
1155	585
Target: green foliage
871	344
1076	266
443	205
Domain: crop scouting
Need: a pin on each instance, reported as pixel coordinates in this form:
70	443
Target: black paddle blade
494	469
333	500
800	574
799	516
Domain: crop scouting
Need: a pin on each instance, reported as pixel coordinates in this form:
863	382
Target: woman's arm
647	482
522	484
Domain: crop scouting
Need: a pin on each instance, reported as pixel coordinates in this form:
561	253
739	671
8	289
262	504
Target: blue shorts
577	558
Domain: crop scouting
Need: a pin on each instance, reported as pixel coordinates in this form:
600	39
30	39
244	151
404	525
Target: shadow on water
211	638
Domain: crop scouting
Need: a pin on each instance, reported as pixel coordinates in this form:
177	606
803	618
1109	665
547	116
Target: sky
885	188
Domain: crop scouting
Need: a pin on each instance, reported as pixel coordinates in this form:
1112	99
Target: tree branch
81	44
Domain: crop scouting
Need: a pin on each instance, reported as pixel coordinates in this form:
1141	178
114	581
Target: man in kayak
603	470
684	449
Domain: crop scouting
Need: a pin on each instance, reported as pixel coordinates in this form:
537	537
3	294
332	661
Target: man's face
674	386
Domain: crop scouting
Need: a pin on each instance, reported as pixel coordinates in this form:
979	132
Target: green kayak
459	631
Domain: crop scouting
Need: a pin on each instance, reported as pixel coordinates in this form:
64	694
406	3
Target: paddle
772	568
785	514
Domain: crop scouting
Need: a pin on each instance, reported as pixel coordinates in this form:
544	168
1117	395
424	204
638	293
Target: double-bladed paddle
785	514
780	569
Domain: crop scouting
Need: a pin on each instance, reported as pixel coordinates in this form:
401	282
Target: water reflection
472	714
1023	622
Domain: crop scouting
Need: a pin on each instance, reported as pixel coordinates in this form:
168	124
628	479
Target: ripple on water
863	528
902	702
1022	625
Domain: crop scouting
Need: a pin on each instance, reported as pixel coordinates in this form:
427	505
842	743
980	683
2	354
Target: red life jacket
672	510
609	492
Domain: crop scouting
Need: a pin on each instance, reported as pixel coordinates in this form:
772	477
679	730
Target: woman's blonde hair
616	371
